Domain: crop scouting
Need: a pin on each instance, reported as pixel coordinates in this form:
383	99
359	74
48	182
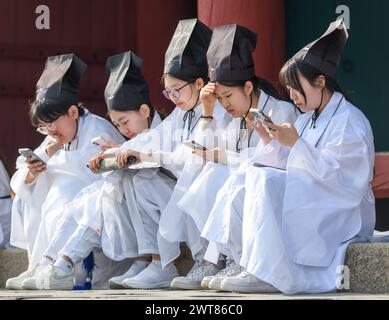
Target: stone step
367	266
12	263
184	262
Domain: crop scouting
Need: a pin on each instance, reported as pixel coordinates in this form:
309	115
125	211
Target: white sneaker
136	268
213	282
247	283
193	279
152	277
52	278
16	283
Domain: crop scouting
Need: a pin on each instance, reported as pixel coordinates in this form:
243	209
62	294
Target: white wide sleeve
324	191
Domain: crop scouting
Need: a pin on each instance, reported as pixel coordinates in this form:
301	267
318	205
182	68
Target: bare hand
122	158
94	163
208	98
216	155
285	134
34	170
259	129
52	147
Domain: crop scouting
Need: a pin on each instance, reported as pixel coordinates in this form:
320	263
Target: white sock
45	261
63	264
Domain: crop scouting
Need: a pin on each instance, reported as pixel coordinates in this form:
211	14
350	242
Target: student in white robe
235	85
5	206
99	217
301	215
43	188
185	73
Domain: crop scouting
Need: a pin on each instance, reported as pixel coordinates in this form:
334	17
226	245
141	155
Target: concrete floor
173	295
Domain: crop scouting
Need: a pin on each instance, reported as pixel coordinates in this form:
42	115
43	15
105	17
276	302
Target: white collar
263	100
329	109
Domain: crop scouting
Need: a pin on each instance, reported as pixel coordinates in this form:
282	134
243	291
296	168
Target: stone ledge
12	263
368	264
184	262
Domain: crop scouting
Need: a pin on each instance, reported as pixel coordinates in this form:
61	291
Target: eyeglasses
48	127
174	93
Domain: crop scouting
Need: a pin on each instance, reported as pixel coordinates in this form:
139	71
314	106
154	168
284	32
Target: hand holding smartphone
260	116
35	168
28	153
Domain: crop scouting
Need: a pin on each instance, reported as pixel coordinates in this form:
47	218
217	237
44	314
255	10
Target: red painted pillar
265	17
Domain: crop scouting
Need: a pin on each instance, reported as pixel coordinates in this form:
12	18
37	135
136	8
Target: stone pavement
174	295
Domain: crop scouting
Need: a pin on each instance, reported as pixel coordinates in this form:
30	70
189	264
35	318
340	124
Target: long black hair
289	77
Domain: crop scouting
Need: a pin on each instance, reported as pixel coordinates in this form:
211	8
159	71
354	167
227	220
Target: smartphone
194	145
99	141
260	116
28	153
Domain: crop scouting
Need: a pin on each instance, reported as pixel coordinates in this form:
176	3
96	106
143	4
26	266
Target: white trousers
152	193
77	242
224	224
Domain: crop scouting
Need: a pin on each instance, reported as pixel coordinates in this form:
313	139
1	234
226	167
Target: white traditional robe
174	156
298	223
204	194
109	206
5	206
40	205
98	220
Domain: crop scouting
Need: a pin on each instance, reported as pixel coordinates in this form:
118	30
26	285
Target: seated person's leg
60	275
